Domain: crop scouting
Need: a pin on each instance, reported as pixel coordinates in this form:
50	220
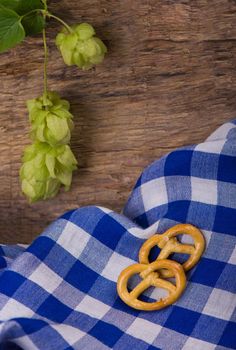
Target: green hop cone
81	47
45	169
50	119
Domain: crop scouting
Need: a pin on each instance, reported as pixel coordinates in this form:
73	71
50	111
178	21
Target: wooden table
169	80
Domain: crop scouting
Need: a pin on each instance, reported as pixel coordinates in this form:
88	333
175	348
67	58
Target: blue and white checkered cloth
60	292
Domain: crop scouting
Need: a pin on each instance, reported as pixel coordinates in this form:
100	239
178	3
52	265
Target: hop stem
45	5
50	15
45	80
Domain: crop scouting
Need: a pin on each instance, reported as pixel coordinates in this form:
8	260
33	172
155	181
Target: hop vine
48	163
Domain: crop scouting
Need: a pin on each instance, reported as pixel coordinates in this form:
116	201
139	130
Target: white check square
73	239
220	304
45	278
69	333
144	330
145	233
203	190
115	265
211	146
14	309
196	344
154	193
221	132
92	307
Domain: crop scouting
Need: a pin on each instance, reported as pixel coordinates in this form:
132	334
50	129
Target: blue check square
106	332
82	277
54	310
10	282
207	272
178	163
182	320
228	336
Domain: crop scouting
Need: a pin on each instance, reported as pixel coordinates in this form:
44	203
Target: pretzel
151	278
168	244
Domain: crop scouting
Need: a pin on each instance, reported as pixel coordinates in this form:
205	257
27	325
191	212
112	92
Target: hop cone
50	119
45	169
81	47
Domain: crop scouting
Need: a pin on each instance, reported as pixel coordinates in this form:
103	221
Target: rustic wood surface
169	80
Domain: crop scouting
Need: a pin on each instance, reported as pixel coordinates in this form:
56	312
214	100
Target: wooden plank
169	80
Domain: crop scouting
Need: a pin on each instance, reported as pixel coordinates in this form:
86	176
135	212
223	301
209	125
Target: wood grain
169	80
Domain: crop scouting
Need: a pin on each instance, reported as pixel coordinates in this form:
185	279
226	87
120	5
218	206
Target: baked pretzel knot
151	277
154	274
169	244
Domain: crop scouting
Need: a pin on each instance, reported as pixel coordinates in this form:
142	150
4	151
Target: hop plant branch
45	81
31	12
45	64
45	4
50	15
48	163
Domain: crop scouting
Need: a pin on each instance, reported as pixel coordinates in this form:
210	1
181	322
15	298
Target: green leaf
10	4
33	23
11	29
26	6
22	6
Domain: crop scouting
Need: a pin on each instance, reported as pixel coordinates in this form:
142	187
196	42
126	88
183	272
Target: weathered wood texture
169	80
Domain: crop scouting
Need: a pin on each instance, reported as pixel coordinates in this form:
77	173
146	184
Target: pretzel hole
153	294
179	257
133	282
154	252
171	279
159	293
185	239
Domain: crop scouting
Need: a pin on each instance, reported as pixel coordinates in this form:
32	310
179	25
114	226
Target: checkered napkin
60	292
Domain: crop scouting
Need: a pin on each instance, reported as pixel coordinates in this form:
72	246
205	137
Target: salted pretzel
150	277
169	244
